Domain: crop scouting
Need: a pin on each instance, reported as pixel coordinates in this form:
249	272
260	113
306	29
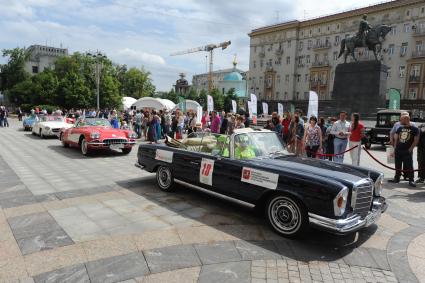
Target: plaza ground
69	218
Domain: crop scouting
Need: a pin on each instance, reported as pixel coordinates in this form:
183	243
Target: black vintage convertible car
254	167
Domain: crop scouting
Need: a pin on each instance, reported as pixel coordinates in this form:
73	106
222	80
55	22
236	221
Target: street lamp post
97	72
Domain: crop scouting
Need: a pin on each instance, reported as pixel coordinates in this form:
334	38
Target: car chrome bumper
105	144
352	223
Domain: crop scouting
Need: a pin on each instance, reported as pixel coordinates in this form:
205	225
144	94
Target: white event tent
127	102
191	105
154	103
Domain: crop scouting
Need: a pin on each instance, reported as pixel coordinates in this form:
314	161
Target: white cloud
141	56
136	32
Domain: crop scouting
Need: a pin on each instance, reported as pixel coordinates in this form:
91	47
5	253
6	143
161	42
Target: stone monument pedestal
360	87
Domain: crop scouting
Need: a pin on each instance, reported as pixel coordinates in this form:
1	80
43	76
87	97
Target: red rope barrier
327	155
391	168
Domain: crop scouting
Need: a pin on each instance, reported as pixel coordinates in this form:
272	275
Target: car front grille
114	141
362	198
55	130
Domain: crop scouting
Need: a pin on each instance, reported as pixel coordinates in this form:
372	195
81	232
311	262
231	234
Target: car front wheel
287	216
165	179
84	147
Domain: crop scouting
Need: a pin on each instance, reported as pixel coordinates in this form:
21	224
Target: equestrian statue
367	36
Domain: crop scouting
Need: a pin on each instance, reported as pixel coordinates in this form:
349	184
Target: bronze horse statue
374	38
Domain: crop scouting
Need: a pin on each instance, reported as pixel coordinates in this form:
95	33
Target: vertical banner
182	104
249	108
265	108
210	104
313	105
292	108
394	98
234	106
254	108
280	109
198	114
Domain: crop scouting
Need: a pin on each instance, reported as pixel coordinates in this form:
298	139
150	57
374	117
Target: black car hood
314	167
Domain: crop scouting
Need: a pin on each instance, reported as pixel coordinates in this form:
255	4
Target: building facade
200	82
288	60
42	57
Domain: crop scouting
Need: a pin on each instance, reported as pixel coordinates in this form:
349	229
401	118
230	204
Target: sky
144	33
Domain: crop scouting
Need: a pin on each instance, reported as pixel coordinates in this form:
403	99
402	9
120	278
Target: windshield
94	122
258	144
52	119
388	119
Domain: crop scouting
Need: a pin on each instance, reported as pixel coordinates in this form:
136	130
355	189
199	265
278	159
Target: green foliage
227	101
71	83
218	99
202	99
172	95
191	94
13	71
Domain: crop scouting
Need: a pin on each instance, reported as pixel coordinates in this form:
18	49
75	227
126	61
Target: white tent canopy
127	102
154	103
191	105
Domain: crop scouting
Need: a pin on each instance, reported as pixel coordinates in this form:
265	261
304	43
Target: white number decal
206	171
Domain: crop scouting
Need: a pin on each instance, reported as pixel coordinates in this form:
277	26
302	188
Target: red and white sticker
164	155
259	178
206	171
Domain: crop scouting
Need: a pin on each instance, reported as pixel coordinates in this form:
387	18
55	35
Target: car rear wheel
126	150
165	179
286	215
84	147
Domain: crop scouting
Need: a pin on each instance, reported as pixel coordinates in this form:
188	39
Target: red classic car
95	134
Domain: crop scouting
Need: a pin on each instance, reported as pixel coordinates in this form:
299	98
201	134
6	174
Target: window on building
316	58
309	44
412	93
406	27
318	42
298	78
423	10
337	40
34	69
391	49
337	26
254	63
278	79
306	77
285	95
310	32
329	28
318	30
335	55
307	59
389	74
415	71
287	78
325	57
288	60
408	13
279	60
271	47
289	43
393	30
402	71
300	60
261	63
403	49
301	45
297	95
419	46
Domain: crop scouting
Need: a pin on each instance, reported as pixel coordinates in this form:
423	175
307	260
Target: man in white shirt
341	131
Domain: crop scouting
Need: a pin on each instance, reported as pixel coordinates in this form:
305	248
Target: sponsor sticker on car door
259	178
206	171
164	155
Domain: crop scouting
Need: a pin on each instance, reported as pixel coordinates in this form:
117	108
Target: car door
226	176
186	165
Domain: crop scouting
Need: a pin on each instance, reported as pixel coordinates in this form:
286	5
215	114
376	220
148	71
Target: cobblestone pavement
69	218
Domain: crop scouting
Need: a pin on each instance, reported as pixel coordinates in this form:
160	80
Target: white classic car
49	126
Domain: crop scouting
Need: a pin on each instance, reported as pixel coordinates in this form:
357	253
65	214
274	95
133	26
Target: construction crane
208	48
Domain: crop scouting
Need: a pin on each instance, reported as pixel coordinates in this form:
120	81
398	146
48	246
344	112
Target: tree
137	83
44	88
202	99
74	93
218	99
227	103
172	95
191	94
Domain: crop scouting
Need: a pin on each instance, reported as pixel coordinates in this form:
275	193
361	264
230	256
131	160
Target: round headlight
46	128
95	135
379	185
132	135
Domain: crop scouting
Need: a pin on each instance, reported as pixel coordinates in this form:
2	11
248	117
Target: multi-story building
42	57
288	60
200	82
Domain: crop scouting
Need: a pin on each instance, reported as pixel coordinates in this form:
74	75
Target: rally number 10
206	169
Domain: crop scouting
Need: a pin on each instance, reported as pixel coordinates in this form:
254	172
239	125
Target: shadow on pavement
316	245
75	153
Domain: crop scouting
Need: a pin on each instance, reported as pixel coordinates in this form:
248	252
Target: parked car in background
90	134
380	134
28	122
253	166
70	118
49	126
